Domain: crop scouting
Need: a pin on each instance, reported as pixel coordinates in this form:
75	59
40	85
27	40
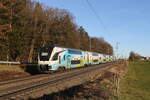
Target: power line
97	15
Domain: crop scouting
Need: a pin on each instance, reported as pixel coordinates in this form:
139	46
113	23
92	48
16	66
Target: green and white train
53	58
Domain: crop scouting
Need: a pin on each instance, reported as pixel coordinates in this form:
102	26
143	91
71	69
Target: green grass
136	84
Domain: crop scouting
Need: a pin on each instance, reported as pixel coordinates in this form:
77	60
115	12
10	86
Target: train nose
45	67
48	67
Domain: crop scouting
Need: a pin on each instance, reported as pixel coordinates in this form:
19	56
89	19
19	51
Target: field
136	84
8	72
11	68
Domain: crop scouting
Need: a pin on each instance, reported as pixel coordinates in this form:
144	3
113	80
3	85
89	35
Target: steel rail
2	83
21	79
38	85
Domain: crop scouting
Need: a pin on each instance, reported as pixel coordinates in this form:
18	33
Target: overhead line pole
90	44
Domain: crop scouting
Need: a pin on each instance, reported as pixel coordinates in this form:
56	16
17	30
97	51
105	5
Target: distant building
148	58
142	58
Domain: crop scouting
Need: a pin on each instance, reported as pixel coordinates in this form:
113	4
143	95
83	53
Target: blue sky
127	21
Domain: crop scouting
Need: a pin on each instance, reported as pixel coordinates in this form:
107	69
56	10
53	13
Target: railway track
23	88
21	81
36	78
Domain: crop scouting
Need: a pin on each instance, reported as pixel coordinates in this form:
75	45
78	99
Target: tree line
25	26
136	56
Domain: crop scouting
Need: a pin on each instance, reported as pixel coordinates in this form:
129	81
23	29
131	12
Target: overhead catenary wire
97	16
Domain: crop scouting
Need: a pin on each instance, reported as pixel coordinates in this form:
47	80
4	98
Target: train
55	58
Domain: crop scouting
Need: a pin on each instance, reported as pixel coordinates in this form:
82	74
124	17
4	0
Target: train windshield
45	53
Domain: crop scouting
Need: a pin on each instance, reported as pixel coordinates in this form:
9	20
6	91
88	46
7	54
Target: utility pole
108	51
117	48
90	44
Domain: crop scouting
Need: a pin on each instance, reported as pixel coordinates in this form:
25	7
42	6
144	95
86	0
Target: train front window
45	53
55	57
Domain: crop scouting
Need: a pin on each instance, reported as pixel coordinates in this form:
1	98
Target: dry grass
10	72
136	84
15	68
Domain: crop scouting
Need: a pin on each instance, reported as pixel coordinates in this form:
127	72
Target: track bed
35	86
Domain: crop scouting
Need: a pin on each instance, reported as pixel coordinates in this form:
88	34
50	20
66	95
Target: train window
64	57
75	61
75	52
94	54
96	60
55	57
45	52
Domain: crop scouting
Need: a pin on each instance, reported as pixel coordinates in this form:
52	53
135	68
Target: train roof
52	46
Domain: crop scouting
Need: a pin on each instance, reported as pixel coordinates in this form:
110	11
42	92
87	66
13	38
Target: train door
68	61
100	59
81	60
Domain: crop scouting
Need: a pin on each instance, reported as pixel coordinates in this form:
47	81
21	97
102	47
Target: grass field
136	84
11	68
